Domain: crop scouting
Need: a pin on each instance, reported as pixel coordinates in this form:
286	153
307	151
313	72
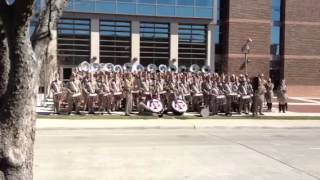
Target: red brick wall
302	46
247	18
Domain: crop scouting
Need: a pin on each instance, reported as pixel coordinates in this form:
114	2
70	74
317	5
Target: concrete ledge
47	124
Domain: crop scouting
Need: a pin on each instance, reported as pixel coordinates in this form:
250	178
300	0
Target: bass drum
155	105
179	107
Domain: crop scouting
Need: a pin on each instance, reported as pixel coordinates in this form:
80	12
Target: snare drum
246	97
117	93
93	95
221	99
234	97
179	106
76	95
198	95
135	92
163	92
155	105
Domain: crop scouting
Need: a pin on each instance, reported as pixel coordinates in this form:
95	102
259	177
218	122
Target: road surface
176	154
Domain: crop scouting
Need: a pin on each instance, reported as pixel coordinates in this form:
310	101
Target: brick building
285	34
286	41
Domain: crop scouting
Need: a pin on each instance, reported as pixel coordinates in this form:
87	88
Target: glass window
146	10
126	8
203	12
165	10
276	8
147	1
84	6
204	3
184	11
127	1
185	2
105	7
166	2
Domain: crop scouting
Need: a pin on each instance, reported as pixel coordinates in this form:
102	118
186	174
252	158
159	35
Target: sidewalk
47	124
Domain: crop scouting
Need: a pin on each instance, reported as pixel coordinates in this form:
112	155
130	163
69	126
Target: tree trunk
4	64
17	114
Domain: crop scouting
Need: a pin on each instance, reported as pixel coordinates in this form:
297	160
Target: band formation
106	88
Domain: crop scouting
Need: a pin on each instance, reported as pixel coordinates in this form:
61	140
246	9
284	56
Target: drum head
155	105
179	106
205	112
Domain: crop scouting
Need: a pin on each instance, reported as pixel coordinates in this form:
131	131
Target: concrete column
135	41
210	47
95	40
174	43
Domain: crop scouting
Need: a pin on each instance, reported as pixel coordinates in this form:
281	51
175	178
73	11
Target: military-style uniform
56	87
128	85
283	97
258	99
74	94
269	94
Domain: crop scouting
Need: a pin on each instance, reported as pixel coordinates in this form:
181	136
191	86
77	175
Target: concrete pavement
176	154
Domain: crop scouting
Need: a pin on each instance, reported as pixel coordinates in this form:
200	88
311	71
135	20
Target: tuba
127	67
117	69
194	68
152	68
139	68
173	68
206	69
94	67
182	68
109	67
84	66
163	68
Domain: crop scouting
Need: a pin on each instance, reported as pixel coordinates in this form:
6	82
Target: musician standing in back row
56	87
128	86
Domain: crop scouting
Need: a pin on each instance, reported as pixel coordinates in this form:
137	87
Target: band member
259	97
283	96
74	94
245	97
56	87
117	92
196	92
206	89
227	89
136	91
128	86
105	96
269	94
216	101
90	88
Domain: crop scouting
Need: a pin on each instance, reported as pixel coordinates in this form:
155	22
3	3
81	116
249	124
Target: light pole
246	50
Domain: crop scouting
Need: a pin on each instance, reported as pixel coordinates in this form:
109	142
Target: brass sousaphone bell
163	68
127	67
182	68
118	69
173	68
109	67
206	69
194	68
84	66
152	68
139	68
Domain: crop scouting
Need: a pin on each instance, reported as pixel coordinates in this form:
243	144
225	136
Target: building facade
285	36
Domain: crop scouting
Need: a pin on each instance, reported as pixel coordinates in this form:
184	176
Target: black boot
280	108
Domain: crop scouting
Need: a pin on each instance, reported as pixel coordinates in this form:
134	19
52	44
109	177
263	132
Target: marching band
107	88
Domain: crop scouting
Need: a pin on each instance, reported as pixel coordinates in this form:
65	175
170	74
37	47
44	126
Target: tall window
176	8
115	42
275	65
154	43
192	44
73	41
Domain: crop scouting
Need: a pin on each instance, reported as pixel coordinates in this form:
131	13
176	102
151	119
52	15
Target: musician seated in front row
74	94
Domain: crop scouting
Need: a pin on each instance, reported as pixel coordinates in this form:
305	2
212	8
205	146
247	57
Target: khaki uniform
128	85
74	87
56	88
258	100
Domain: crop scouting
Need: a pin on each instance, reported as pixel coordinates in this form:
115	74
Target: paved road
213	154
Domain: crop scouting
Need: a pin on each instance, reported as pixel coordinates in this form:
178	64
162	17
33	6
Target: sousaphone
152	68
163	68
